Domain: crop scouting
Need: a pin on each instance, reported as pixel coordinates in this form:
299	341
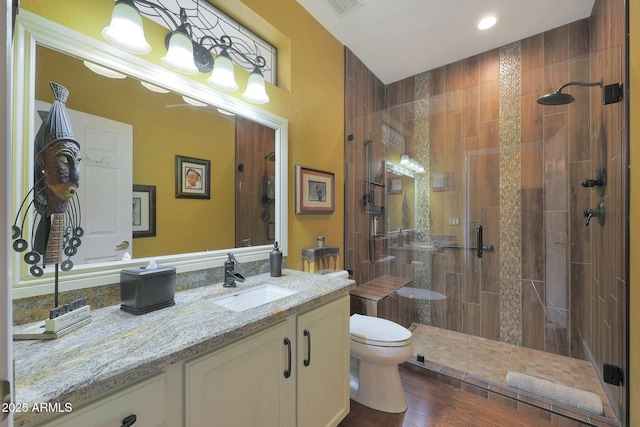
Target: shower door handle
479	241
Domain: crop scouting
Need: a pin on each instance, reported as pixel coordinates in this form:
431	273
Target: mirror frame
32	29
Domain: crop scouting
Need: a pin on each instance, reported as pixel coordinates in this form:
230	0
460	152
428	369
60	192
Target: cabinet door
243	384
323	364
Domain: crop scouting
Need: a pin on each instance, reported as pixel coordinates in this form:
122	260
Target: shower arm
599	83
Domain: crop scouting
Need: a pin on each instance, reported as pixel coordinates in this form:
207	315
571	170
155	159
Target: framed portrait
193	178
395	185
144	211
315	191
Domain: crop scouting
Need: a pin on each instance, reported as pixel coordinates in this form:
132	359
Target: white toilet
378	346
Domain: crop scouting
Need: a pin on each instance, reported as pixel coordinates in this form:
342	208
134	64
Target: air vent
342	7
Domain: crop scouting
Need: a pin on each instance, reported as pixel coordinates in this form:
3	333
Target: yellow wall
634	217
309	95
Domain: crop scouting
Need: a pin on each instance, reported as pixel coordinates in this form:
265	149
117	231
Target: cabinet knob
129	420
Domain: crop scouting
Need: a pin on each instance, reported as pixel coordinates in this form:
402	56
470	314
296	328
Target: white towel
342	274
563	394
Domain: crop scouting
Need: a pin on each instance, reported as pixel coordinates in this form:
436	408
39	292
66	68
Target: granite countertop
118	347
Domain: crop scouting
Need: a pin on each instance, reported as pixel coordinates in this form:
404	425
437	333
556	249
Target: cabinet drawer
145	399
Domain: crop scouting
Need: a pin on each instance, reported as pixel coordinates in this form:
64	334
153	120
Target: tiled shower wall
559	285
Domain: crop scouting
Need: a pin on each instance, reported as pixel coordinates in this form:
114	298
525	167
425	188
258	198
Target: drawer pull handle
287	372
129	420
307	361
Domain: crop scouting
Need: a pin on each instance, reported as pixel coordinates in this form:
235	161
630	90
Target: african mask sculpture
57	178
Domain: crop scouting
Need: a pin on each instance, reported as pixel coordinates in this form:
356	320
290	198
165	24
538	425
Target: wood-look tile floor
435	404
492	360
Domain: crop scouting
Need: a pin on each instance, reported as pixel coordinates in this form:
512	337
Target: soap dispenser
275	261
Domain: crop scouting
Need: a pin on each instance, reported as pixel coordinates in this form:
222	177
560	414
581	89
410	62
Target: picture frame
193	178
144	211
315	191
395	185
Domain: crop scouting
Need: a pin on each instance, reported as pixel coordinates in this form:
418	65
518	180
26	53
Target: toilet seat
378	332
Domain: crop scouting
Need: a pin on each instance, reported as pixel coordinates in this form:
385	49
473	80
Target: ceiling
401	38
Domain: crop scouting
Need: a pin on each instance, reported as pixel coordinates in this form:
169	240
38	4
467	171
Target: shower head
559	98
271	156
556	98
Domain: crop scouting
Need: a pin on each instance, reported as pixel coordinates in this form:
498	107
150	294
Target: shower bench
378	298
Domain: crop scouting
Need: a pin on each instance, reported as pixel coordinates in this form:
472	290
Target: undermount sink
254	297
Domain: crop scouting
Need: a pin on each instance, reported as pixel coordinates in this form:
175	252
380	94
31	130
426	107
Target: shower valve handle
598	213
599	181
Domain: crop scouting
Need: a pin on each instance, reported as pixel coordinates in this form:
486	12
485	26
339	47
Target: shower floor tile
492	360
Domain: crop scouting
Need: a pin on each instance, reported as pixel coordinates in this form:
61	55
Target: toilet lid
378	332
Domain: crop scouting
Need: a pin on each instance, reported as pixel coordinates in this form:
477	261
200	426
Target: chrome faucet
230	275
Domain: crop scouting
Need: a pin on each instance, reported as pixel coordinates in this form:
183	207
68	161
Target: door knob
123	245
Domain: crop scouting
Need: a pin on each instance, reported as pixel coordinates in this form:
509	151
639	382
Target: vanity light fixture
411	164
256	91
125	30
185	53
179	55
222	75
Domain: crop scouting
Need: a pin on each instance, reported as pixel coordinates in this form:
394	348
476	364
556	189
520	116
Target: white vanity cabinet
295	373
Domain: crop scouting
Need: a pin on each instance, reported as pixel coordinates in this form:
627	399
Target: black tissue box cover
143	290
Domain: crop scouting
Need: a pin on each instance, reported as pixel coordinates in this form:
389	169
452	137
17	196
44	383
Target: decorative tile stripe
423	184
510	206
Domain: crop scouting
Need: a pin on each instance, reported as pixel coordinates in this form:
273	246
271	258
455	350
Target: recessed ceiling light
487	22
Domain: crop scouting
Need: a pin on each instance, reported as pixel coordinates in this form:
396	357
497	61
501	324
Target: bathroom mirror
400	198
206	132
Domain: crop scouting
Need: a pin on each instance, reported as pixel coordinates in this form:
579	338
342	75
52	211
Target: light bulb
256	92
125	30
222	76
179	56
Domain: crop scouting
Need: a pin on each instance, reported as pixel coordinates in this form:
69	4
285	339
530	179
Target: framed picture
144	211
193	178
395	185
315	191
